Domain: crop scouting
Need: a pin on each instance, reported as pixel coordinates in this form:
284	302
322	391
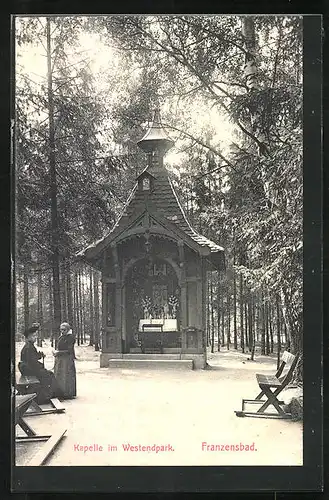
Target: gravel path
172	413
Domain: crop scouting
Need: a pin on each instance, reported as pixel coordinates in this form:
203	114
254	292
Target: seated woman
30	365
64	362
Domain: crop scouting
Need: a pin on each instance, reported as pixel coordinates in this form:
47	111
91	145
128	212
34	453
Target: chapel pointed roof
162	200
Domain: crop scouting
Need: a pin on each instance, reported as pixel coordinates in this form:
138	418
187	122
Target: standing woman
64	362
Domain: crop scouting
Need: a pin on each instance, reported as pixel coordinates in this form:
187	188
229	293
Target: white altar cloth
168	325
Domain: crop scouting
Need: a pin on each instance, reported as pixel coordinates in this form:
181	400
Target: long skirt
50	388
65	374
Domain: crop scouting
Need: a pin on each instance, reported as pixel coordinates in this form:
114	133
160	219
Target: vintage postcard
160	200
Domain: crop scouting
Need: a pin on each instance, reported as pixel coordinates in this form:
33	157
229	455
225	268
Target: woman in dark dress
30	365
64	362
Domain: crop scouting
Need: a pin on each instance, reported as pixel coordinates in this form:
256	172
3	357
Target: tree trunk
258	317
287	332
267	337
77	304
26	296
83	299
91	303
241	315
263	324
250	320
53	194
286	336
270	323
250	70
218	311
76	307
228	321
208	312
252	330
69	293
212	314
80	307
223	323
246	325
254	317
64	291
51	311
278	328
235	335
40	310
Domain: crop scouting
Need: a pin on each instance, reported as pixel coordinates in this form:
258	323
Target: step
149	363
150	356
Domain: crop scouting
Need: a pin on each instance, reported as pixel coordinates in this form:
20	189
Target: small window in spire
146	184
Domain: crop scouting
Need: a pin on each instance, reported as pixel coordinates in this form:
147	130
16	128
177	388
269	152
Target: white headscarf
68	328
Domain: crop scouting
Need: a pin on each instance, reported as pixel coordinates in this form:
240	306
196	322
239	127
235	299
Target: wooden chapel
154	269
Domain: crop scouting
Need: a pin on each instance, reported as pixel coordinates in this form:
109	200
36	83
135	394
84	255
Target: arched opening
152	295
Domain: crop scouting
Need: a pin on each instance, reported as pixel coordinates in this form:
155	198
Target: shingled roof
162	199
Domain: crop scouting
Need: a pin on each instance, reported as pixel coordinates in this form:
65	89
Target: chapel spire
155	142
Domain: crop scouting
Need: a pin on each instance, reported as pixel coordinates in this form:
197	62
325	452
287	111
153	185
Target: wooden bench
271	386
22	403
28	384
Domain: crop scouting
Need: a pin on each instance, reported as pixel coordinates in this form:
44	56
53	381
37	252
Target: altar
154	334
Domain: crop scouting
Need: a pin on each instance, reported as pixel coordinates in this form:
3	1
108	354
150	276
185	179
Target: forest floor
180	409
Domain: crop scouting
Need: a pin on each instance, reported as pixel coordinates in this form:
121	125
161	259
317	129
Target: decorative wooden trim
133	260
165	228
124	223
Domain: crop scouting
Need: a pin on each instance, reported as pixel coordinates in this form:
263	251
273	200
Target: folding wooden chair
286	360
271	386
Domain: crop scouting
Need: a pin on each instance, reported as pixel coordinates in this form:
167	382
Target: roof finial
156	138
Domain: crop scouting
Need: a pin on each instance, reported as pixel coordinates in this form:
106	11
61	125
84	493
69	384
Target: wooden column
204	300
183	292
123	315
118	297
104	298
104	313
